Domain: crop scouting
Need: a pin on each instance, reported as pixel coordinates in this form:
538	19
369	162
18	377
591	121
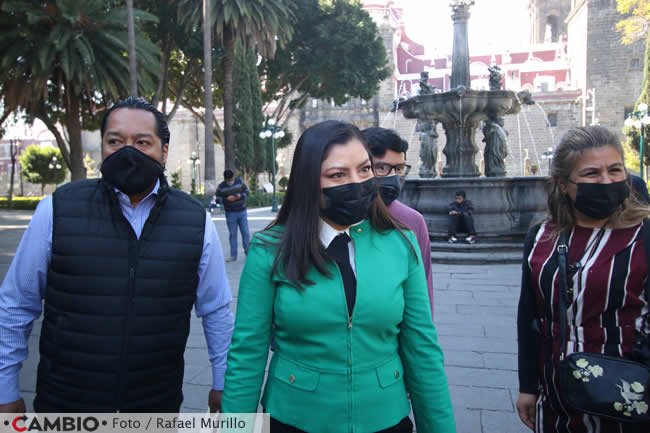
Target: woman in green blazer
352	319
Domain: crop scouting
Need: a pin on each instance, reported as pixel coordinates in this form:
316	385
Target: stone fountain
504	207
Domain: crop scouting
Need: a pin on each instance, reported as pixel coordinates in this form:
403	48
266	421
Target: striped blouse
608	304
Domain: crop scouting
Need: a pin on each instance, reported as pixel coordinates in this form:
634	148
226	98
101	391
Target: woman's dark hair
299	247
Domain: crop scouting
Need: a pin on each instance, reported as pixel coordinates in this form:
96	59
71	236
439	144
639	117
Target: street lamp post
639	119
53	165
272	131
548	155
194	160
13	152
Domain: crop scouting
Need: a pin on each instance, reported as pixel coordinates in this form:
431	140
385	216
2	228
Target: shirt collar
125	198
328	233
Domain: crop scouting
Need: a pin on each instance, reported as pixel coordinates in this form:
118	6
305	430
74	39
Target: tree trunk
13	151
209	160
229	139
73	124
133	77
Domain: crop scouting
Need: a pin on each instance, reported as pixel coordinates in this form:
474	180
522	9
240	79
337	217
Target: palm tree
63	57
133	76
209	168
261	23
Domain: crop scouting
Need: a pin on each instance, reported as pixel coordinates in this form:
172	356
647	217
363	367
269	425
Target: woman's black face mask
600	200
350	203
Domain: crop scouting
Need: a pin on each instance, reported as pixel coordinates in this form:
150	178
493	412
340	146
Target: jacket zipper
123	367
347	312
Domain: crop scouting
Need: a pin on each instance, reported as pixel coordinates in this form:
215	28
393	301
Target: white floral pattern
633	396
585	370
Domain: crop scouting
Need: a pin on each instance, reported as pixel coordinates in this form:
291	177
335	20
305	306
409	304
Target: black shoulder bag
601	385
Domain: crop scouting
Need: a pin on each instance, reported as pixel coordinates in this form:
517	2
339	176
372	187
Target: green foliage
22	203
92	168
283	182
632	134
263	199
337	54
243	128
63	58
631	157
42	165
635	25
176	180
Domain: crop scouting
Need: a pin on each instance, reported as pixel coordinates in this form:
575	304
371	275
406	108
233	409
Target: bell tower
548	20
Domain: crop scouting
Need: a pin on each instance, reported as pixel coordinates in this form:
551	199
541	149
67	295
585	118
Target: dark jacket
462	208
238	189
117	308
639	186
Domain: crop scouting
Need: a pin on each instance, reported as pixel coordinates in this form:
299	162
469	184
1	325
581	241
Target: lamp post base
274	203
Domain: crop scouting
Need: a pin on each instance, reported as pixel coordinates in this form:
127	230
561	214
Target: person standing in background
388	151
234	192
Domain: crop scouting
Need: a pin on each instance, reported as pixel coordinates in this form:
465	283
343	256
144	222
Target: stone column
460	75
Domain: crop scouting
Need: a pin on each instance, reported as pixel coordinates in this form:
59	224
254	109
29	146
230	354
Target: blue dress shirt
23	288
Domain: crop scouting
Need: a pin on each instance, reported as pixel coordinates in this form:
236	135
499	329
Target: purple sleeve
422	234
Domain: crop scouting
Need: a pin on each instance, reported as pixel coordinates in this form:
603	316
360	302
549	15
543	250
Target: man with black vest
117	263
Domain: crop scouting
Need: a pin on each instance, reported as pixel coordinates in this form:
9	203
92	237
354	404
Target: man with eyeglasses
388	151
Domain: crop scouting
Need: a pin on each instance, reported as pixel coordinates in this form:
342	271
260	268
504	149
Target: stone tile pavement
475	314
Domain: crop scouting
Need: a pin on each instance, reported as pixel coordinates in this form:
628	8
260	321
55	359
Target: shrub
263	199
22	203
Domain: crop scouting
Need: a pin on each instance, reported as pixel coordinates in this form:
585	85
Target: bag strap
645	232
563	290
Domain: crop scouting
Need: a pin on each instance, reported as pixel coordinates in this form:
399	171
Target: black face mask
130	170
389	188
600	200
350	203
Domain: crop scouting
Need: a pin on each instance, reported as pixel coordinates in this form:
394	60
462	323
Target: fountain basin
462	105
504	207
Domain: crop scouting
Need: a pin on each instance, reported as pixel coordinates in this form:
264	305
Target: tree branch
163	73
181	88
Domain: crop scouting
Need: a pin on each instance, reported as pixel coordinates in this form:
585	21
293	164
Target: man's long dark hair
299	246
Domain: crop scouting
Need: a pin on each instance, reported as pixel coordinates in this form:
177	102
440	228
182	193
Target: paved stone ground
475	314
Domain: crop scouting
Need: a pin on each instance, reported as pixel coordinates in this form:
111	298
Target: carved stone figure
428	147
425	87
496	147
495	77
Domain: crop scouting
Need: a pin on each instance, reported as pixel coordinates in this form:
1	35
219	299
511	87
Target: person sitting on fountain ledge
461	219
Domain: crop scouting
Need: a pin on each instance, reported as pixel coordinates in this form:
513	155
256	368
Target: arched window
552	29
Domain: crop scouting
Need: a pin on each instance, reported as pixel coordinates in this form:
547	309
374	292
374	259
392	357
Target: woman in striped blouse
591	198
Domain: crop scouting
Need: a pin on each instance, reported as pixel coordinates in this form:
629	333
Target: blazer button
359	230
396	374
292	378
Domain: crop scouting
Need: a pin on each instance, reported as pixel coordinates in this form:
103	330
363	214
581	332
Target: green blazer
329	374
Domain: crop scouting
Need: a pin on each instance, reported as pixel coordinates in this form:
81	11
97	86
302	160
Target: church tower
548	20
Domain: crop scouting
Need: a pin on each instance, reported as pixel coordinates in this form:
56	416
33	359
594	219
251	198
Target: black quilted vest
117	309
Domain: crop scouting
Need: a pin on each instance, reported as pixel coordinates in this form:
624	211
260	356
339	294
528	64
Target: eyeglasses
383	169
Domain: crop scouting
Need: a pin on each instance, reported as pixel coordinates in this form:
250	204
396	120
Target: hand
526	407
17	406
231	198
453	212
214	400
